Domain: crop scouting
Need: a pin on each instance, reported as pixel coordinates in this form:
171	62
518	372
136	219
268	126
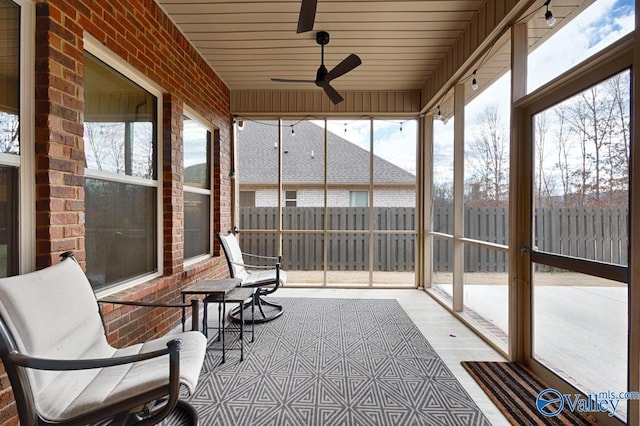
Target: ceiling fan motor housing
322	38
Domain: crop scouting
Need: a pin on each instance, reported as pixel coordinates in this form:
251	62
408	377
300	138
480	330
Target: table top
212	286
238	294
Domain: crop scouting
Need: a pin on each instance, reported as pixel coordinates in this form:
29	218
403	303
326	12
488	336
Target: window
9	134
197	188
358	199
290	198
247	198
121	187
580	233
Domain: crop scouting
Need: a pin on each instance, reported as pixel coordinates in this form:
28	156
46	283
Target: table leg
241	330
253	318
224	314
205	329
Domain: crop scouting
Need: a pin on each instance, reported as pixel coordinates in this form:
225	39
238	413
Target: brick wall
140	33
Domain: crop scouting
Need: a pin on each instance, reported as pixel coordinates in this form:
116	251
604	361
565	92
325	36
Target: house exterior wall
387	197
140	34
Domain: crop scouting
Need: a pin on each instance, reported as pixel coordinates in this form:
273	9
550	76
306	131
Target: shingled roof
302	158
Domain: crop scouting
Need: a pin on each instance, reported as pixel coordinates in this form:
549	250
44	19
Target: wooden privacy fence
347	240
595	234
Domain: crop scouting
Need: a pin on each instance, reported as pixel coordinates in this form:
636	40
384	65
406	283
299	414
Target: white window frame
287	198
195	190
97	49
26	242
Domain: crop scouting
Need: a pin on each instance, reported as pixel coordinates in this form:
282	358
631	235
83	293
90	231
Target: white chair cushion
53	313
71	395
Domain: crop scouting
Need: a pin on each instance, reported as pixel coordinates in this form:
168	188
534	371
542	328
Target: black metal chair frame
157	403
263	288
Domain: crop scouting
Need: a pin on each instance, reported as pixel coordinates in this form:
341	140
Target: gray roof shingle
348	163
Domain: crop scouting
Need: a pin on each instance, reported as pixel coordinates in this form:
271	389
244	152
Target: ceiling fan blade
350	62
333	94
288	80
307	15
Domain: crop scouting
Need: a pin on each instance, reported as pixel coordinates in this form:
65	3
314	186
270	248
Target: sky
599	25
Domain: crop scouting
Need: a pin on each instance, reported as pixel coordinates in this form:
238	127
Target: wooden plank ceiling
247	42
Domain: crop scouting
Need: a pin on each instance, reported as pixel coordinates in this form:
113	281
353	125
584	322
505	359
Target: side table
211	287
237	295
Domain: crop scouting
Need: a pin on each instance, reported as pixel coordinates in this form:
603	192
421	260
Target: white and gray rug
334	362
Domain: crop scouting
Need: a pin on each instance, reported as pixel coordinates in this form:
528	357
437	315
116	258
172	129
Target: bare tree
104	146
545	182
563	137
488	160
591	116
619	145
9	133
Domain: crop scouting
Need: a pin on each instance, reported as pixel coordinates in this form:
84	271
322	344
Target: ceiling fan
307	15
324	77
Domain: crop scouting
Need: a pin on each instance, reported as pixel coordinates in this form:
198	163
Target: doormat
514	390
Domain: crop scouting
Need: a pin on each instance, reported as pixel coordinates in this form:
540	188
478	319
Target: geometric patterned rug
333	362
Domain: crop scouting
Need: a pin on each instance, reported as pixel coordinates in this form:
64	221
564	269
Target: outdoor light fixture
474	82
240	124
548	16
293	132
438	115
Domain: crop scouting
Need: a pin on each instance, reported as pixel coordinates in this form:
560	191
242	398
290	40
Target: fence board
595	234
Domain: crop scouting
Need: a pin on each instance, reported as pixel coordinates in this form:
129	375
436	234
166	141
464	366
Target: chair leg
259	302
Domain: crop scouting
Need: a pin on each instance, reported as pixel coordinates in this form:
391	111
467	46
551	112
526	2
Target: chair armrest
28	361
278	258
248	266
194	304
171	391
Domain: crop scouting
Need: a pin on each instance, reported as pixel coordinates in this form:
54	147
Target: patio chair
64	372
267	279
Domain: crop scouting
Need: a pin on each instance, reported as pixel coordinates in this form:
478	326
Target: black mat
514	390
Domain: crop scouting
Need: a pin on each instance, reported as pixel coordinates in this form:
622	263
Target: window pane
394	258
349	152
486	164
120	231
197	148
486	291
120	123
359	199
591	29
443	176
197	224
258	162
303	258
442	273
8	221
247	198
9	77
303	176
582	174
348	259
394	162
580	320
